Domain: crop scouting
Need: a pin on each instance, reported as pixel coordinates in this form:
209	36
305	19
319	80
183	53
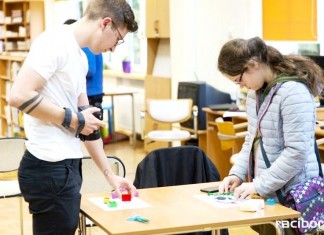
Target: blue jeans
52	190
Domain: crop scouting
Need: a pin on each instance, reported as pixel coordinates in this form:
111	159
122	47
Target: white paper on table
210	199
121	205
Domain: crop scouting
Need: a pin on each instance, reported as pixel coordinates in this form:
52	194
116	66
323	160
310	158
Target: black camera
96	134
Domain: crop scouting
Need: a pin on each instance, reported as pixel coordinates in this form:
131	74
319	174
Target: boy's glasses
121	40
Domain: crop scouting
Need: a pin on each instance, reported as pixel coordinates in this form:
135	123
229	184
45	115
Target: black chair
176	166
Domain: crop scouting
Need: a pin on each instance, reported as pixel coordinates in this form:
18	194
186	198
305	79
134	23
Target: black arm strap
267	162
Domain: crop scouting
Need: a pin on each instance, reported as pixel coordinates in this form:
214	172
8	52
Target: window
135	46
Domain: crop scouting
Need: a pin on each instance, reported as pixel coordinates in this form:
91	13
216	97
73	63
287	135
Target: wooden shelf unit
22	21
156	87
17	31
157	19
10	118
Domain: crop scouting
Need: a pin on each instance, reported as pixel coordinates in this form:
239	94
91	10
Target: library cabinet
11	123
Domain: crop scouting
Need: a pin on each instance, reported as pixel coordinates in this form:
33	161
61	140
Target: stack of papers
234	114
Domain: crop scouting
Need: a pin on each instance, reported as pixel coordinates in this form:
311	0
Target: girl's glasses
239	79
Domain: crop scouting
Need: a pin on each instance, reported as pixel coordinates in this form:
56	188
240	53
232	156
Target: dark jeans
52	190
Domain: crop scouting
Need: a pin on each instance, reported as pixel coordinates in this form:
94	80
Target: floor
9	210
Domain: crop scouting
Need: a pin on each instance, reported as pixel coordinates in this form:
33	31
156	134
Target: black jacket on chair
176	166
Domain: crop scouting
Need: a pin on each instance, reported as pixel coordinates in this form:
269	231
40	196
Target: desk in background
114	93
220	158
174	210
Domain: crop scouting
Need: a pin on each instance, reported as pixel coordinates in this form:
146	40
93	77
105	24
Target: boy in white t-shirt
50	89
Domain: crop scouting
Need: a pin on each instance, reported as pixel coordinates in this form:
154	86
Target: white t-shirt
58	58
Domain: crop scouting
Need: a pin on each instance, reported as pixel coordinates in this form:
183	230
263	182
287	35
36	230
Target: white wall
199	30
58	11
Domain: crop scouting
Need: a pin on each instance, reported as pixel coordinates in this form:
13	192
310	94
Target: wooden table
175	210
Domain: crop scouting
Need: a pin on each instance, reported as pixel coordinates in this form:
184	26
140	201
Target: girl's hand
244	190
229	184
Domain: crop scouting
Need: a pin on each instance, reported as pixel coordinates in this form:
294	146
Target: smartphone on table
213	189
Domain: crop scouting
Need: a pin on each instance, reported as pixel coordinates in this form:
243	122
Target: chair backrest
93	179
226	134
11	152
169	110
320	114
175	166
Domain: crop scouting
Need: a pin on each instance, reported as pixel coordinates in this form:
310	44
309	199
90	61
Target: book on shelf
15	121
1	17
14	115
8	114
15	67
22	31
21	119
7	20
16	19
8	88
16	16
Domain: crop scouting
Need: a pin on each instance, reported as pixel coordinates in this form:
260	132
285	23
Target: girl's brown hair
235	55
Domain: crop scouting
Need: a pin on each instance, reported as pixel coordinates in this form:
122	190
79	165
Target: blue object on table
270	201
138	218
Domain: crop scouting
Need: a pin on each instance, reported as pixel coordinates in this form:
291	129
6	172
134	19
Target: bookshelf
11	123
16	29
20	22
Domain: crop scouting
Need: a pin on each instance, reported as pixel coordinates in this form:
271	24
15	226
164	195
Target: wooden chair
93	179
12	150
320	114
173	112
229	137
